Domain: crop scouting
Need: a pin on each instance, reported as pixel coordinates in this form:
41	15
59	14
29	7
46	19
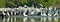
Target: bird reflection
29	19
55	19
49	19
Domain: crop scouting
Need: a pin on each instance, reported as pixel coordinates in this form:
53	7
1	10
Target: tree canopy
2	3
45	3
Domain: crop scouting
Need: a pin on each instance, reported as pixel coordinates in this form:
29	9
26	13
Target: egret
56	12
49	11
25	12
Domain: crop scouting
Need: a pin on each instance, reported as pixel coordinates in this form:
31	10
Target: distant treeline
36	3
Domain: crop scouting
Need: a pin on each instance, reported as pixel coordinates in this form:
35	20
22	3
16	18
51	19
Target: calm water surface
29	19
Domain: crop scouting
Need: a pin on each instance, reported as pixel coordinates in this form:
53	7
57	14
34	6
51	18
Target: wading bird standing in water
56	12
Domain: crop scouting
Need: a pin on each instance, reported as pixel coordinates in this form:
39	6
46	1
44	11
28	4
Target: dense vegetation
36	3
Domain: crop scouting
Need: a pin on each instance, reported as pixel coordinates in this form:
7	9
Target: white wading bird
49	12
43	12
3	13
25	12
56	12
8	14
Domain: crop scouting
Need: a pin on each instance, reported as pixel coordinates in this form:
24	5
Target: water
30	19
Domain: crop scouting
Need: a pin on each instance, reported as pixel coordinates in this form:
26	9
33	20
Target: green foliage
57	2
45	3
10	3
48	3
24	2
2	3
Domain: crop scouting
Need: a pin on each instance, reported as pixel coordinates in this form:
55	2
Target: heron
25	12
3	13
49	11
43	12
8	13
56	12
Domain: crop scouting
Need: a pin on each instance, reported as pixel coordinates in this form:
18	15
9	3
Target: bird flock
30	11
